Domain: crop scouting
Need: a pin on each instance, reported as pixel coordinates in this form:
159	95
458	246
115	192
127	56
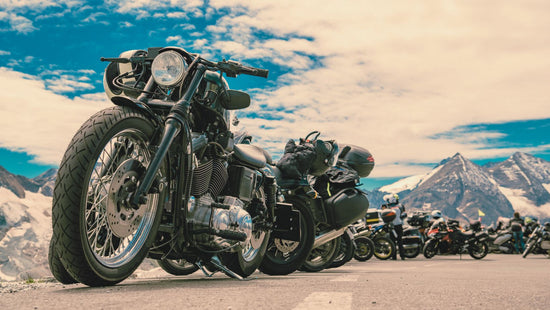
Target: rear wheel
412	250
322	256
383	248
286	256
364	249
478	249
177	267
345	254
250	254
101	238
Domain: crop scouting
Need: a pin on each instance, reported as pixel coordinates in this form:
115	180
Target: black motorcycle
329	200
158	175
538	241
448	238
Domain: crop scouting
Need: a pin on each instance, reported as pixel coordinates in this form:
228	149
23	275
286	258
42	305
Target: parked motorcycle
539	240
329	194
384	247
502	242
158	174
448	238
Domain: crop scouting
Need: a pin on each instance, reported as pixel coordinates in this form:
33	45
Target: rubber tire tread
56	267
316	268
369	243
175	269
68	190
392	246
274	268
347	248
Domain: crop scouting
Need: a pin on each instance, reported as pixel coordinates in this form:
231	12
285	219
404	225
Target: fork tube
175	121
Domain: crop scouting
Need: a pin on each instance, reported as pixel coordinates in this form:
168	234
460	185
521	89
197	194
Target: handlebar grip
262	73
254	71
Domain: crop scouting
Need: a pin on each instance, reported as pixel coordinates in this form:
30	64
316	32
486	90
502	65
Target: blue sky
413	83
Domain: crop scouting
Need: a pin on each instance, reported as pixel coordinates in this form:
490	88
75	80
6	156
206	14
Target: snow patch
409	183
525	206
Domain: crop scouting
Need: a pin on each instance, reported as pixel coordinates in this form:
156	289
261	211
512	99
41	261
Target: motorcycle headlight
168	68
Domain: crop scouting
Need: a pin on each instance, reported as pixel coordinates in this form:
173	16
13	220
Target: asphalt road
443	282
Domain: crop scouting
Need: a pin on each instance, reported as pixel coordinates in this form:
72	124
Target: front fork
175	123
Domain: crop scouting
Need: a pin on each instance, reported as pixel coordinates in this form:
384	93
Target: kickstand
216	262
206	273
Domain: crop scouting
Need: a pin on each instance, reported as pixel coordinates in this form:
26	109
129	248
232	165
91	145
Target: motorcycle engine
213	221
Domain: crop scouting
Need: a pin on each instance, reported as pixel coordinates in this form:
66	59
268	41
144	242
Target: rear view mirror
236	100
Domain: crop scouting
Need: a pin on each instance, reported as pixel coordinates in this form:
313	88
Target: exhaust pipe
328	236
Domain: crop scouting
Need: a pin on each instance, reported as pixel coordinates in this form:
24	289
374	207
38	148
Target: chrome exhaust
328	236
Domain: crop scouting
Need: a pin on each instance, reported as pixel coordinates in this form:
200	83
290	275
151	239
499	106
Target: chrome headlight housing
168	68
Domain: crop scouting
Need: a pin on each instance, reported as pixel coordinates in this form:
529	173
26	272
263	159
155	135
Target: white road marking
346	278
326	300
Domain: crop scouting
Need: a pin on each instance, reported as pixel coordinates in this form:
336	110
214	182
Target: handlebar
233	68
230	67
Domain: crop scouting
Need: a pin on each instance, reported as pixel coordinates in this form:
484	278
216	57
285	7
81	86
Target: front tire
100	239
430	249
529	248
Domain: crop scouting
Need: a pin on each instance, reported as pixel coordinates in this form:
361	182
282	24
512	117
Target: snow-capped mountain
460	189
25	224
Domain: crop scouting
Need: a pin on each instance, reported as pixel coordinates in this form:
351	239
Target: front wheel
101	239
364	250
430	248
529	248
286	256
478	249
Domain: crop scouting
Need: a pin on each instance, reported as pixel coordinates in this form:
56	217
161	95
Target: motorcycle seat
250	154
285	182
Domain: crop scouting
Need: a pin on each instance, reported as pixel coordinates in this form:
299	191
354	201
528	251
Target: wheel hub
285	246
121	217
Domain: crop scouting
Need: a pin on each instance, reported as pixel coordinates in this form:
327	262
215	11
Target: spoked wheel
177	267
347	248
286	256
56	267
383	248
322	256
250	254
430	248
478	249
101	238
364	250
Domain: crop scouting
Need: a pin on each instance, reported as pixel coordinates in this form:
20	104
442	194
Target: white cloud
394	74
18	23
40	123
139	6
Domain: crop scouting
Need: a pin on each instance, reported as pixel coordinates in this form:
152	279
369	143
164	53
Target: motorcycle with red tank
448	238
